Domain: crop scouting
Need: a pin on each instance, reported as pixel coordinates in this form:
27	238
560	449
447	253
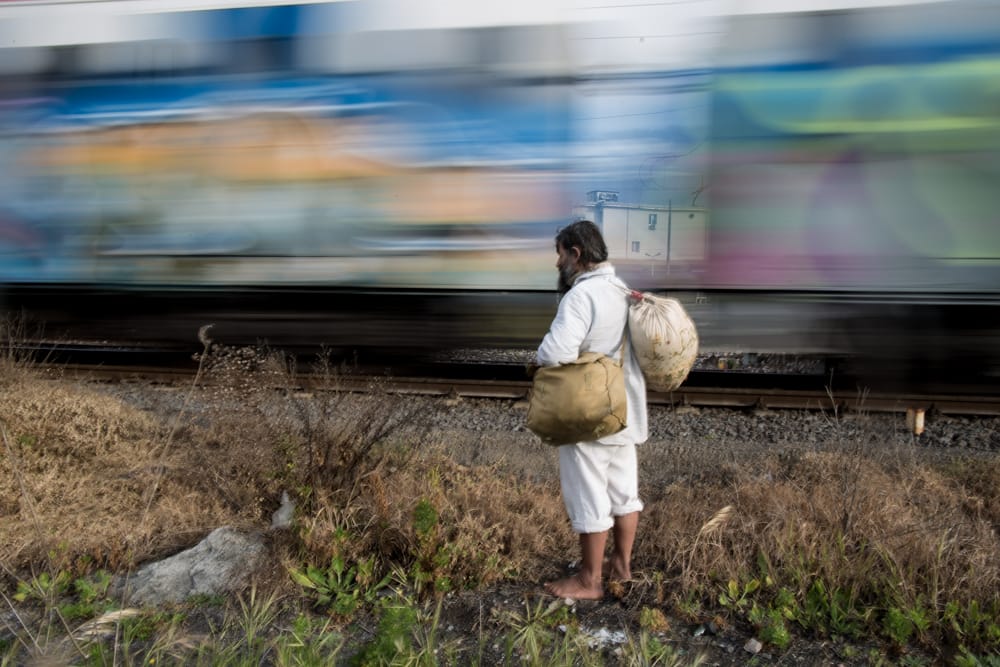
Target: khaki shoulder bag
580	401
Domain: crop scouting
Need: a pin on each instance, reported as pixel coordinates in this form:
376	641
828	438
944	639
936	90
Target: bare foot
617	569
574	587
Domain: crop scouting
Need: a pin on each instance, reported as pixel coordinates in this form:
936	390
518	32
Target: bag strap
636	296
625	337
633	294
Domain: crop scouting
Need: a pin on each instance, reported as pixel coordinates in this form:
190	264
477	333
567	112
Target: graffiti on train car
217	193
330	144
868	161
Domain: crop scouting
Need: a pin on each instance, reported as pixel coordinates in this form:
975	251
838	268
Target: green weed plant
341	588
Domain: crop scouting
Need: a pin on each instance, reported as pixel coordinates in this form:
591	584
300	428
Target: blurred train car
351	173
287	172
367	173
855	162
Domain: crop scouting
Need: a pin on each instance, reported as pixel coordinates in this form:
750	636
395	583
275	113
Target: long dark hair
586	236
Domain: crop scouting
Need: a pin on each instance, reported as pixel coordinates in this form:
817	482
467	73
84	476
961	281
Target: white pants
599	482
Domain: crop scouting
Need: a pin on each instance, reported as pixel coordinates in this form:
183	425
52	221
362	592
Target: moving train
854	167
384	173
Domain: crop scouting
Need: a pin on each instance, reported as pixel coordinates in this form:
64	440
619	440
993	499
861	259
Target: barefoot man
599	479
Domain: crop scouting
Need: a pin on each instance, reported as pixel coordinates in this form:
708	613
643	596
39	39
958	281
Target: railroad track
703	388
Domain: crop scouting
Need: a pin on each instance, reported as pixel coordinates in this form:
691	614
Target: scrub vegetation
400	554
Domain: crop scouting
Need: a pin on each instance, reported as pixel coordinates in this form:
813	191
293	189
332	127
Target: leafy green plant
91	592
736	597
75	599
771	619
773	630
899	625
393	637
44	587
425	519
443	560
973	625
968	659
433	556
93	587
407	636
831	612
340	588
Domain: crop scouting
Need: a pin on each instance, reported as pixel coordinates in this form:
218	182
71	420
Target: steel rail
724	389
518	390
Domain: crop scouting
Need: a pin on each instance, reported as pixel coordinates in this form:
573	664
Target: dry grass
797	517
89	482
793	507
89	479
877	527
78	468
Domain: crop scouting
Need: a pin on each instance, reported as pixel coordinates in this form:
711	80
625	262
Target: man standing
599	479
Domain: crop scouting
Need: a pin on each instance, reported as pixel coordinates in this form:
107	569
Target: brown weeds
924	532
79	465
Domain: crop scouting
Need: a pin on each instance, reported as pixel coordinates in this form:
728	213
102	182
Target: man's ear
576	253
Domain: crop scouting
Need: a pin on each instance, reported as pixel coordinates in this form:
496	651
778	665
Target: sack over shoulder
664	339
576	402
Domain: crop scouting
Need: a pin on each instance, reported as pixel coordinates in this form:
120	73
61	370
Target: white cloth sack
664	339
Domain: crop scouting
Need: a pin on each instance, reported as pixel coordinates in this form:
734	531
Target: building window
635	246
652	221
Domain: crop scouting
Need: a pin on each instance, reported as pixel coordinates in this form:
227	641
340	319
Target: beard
565	281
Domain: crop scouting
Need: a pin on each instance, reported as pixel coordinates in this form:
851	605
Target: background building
648	243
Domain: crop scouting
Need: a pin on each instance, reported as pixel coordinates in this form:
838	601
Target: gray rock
217	564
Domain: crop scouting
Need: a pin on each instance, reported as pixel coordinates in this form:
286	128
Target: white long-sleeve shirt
592	317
